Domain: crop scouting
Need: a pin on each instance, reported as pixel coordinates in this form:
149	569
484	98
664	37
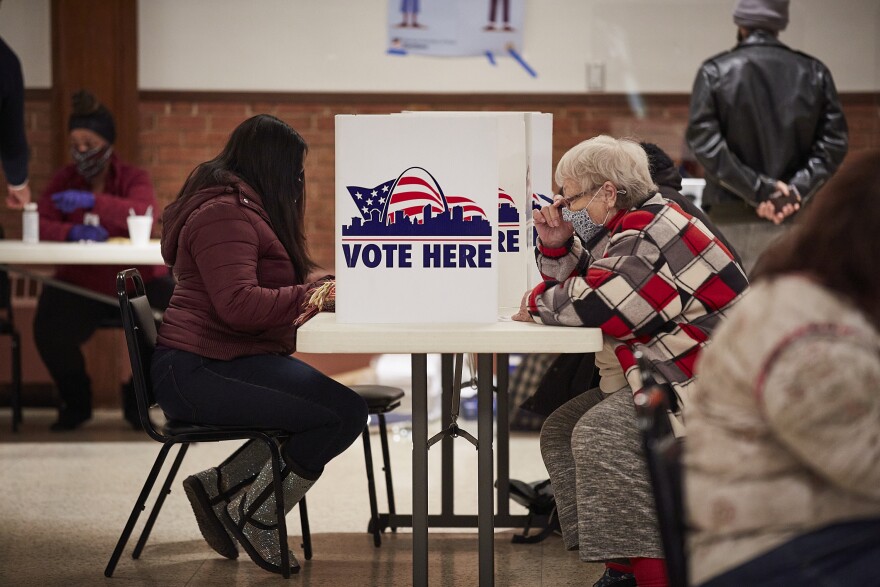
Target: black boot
251	517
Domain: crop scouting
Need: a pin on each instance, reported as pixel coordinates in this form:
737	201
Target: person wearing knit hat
769	15
767	127
88	200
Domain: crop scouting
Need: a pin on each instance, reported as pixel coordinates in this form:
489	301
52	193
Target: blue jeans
322	416
842	555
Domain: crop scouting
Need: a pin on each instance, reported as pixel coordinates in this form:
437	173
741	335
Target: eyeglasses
567	201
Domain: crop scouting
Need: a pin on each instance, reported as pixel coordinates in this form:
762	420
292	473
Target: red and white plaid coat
657	281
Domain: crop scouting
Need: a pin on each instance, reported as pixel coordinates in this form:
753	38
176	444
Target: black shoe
70	421
613	578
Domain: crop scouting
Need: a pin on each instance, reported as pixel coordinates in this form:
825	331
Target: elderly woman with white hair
618	256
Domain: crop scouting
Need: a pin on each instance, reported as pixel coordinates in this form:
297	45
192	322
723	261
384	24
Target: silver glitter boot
210	491
251	516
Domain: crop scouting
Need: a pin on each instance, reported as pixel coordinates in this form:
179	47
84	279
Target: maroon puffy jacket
237	293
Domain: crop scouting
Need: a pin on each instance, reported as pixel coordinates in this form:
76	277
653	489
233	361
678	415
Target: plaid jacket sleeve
658	264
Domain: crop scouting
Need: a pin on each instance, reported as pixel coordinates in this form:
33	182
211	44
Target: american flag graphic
540	200
505	198
414	189
470	209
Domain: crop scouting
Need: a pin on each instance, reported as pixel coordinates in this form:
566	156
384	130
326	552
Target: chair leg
373	526
15	397
166	489
279	509
386	462
306	533
136	510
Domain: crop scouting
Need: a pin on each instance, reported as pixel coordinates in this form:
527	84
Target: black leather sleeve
831	142
712	151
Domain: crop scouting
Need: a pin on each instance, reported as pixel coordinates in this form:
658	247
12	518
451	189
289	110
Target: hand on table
83	232
70	200
523	314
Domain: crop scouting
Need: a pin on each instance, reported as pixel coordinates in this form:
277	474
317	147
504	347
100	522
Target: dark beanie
88	113
771	15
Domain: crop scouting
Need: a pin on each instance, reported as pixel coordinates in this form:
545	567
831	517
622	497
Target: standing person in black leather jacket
767	126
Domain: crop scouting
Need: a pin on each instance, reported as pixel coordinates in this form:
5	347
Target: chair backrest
663	453
140	337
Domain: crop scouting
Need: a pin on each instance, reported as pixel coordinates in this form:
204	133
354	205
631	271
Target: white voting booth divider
395	171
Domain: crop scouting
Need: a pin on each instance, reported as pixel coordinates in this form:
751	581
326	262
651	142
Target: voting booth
433	214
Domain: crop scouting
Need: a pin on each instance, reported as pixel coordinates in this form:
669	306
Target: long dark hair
837	241
268	155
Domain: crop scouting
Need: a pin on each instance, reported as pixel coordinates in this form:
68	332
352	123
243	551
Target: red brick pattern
179	131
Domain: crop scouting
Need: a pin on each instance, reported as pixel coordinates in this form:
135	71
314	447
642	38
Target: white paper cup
139	229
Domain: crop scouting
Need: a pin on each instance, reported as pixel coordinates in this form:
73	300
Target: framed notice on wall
416	219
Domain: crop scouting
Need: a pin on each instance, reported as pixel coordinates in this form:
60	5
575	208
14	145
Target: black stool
380	399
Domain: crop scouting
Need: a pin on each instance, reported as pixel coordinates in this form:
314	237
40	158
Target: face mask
90	163
583	225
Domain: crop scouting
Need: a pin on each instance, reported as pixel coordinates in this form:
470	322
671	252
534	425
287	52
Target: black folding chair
663	452
140	336
7	328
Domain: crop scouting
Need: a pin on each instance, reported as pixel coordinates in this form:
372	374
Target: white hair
623	162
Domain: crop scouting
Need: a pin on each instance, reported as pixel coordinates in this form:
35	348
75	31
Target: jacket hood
177	213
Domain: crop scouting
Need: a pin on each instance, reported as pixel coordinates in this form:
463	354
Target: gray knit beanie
771	15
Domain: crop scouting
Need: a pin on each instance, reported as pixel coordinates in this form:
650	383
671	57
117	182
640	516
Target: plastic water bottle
30	223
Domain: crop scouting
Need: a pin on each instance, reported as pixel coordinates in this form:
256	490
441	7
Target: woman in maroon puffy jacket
235	241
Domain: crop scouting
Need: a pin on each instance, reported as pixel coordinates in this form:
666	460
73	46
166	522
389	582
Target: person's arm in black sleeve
830	145
13	143
711	149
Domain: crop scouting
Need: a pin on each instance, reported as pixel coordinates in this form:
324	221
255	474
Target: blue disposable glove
70	200
84	232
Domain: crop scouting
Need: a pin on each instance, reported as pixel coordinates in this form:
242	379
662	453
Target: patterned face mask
90	163
583	225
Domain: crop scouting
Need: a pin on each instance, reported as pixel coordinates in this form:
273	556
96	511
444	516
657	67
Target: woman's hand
552	229
523	314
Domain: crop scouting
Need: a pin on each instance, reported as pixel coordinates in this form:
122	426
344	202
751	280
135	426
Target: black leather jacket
763	112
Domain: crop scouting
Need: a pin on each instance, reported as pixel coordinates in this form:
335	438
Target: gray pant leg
559	459
615	505
751	239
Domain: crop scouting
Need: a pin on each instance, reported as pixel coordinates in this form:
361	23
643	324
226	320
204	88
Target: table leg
420	468
447	445
502	420
485	495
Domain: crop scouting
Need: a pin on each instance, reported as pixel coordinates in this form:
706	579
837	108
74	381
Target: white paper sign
416	219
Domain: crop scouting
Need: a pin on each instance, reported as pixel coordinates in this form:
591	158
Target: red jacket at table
126	187
237	293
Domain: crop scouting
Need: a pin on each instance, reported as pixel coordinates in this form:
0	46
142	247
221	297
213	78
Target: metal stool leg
373	526
386	461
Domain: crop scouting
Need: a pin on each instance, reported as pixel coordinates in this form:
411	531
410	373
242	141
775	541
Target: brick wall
179	130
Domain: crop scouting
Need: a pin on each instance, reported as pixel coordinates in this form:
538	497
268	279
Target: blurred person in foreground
767	126
87	200
618	256
782	474
235	239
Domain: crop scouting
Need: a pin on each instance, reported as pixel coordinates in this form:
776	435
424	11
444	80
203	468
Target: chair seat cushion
379	398
178	427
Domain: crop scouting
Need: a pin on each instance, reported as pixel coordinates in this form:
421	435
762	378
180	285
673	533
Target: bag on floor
538	498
